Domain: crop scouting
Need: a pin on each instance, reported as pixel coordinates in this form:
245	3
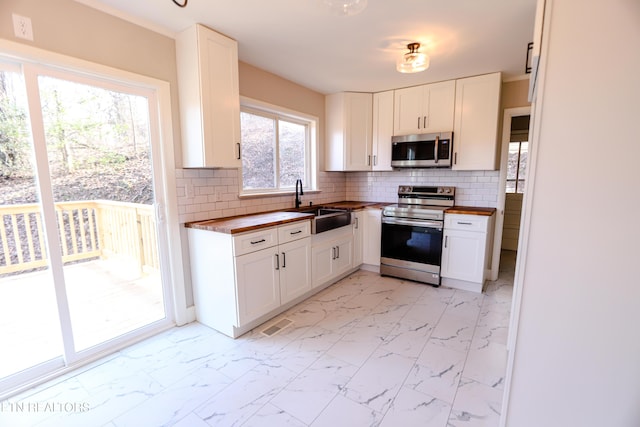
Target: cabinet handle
357	225
338	251
418	122
296	232
375	160
424	122
464	223
455	158
369	160
277	262
258	241
284	260
238	146
333	252
446	239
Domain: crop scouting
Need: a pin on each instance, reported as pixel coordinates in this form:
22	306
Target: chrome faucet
301	193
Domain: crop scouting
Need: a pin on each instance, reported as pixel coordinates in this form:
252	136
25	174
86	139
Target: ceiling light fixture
346	7
183	4
413	61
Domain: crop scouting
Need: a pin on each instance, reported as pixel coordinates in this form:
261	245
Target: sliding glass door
80	256
29	325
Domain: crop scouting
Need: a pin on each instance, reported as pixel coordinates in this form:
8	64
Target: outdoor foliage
273	152
98	142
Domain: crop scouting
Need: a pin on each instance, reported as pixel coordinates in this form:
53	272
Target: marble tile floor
367	351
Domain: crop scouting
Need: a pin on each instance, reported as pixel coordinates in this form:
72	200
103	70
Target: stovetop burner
421	202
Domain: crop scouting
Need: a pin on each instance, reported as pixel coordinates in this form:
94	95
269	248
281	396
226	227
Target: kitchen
341	186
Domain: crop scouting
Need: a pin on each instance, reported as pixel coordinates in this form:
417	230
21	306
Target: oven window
412	243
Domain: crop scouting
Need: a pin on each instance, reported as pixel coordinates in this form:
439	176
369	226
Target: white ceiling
302	41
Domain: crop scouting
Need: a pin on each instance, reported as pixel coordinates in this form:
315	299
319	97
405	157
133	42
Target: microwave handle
435	154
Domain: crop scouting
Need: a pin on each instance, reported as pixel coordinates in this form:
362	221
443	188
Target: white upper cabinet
382	131
424	109
475	133
349	131
209	98
359	130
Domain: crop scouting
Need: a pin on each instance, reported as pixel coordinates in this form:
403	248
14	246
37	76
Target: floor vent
277	327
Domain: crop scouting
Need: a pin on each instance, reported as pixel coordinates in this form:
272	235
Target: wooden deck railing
87	229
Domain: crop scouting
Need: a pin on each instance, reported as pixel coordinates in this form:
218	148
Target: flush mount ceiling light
346	7
413	61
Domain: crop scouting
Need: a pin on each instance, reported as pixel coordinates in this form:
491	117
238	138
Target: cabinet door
349	131
382	131
322	263
463	255
207	65
408	107
358	131
295	269
372	236
344	256
358	235
258	284
475	133
439	115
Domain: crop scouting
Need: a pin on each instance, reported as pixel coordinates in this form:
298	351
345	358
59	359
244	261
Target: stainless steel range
411	245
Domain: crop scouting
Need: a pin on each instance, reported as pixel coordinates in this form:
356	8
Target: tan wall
515	94
73	29
258	84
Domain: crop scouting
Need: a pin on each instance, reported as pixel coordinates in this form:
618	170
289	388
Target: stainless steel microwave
427	150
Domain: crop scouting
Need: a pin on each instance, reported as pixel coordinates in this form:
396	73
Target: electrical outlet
218	194
22	27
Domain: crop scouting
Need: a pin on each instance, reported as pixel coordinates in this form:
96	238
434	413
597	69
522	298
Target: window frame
252	106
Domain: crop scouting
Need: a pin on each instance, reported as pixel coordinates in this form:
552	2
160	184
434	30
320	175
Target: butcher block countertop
470	210
241	224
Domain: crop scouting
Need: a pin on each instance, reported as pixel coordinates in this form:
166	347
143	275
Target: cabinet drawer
466	222
295	231
250	242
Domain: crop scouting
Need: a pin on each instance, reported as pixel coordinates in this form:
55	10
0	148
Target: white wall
577	353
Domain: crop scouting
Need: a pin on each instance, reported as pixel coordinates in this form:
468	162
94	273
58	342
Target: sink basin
326	219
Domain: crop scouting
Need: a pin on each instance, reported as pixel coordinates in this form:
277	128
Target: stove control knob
447	190
440	190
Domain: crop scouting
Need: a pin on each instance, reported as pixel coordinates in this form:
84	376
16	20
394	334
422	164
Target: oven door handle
421	223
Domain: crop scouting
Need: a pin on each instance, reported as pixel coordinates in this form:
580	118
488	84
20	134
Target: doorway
81	239
517	157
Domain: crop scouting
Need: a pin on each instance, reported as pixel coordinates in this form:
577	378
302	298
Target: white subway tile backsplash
473	188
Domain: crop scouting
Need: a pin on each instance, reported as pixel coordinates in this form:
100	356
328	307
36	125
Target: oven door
411	249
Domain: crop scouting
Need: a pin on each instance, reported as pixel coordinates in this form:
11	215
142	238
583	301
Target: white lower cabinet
358	237
372	237
465	252
258	284
295	269
331	255
240	281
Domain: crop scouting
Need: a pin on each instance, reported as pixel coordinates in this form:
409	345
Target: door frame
509	113
166	205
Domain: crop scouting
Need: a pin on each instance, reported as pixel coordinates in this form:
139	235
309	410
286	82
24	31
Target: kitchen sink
326	219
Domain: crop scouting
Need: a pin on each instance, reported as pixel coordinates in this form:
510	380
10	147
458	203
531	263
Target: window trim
277	112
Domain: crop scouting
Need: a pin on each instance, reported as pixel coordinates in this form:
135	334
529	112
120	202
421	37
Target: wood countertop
355	205
470	210
241	224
